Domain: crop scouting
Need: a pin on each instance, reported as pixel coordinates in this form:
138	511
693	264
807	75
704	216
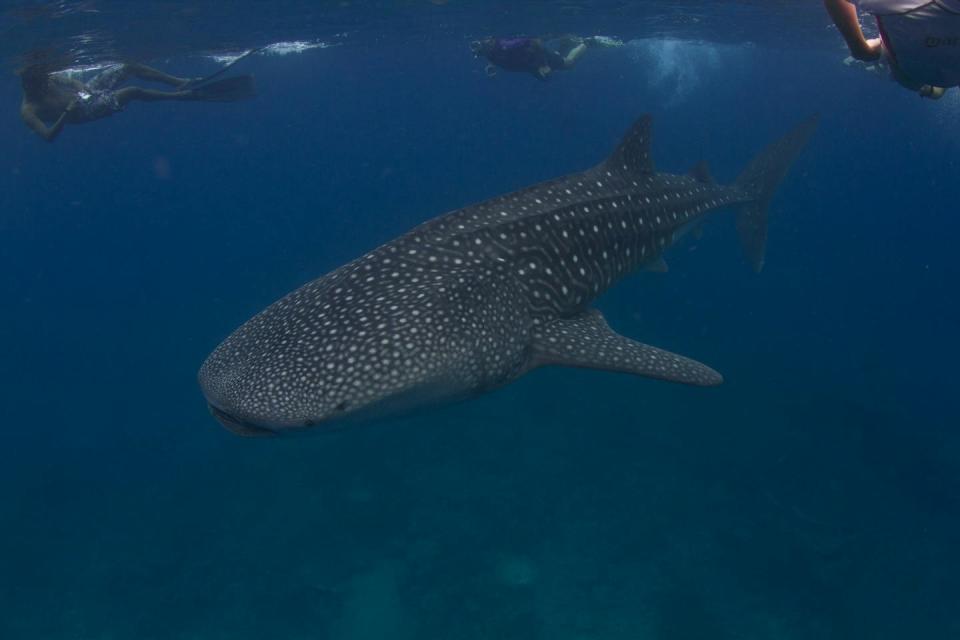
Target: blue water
816	494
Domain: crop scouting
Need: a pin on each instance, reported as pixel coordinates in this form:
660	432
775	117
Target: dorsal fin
633	154
701	173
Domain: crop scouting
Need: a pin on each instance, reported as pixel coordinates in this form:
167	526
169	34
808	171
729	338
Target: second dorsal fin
701	173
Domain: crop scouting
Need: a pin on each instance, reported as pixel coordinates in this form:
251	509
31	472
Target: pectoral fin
587	341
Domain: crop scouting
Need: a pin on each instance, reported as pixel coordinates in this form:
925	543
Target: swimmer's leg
567	43
130	94
929	91
226	90
143	72
559	61
117	75
925	90
565	56
571	58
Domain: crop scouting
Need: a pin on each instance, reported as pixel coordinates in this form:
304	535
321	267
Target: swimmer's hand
50	133
872	50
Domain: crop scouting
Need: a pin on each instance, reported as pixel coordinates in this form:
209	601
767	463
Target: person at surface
534	55
919	40
52	99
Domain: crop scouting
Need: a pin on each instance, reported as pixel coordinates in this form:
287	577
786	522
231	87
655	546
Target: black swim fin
226	90
199	82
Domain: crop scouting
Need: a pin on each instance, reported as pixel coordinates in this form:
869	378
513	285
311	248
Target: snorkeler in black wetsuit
51	100
529	55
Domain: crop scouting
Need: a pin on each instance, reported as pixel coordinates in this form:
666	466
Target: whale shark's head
330	353
354	345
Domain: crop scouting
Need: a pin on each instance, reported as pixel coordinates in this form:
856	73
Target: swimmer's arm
34	122
845	17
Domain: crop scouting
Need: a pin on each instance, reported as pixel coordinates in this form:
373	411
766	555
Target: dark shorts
525	54
100	98
556	61
108	79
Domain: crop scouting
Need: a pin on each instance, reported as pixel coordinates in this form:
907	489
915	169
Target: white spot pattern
448	308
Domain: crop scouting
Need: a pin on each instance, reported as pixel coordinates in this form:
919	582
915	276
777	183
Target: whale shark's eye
341	407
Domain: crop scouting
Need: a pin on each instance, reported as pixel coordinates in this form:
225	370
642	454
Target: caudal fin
760	180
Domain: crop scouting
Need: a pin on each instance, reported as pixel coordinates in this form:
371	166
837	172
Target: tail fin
226	90
760	180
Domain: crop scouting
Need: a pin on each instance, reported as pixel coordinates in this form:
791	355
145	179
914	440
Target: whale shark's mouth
239	427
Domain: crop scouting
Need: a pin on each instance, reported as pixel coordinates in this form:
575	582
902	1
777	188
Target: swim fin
199	82
226	90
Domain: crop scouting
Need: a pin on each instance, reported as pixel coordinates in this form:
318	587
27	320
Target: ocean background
816	494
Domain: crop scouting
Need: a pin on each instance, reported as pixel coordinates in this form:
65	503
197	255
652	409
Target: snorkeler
52	100
919	40
532	55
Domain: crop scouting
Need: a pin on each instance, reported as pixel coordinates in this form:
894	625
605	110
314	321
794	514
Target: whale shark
474	299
